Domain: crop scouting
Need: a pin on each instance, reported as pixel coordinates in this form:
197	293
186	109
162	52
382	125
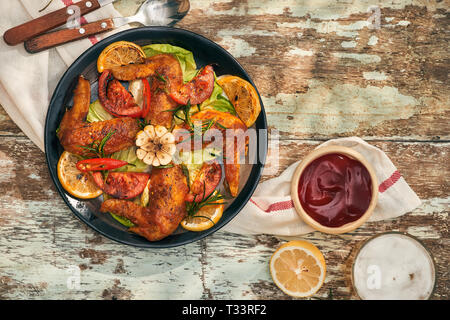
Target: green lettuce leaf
129	155
122	220
217	101
97	112
185	57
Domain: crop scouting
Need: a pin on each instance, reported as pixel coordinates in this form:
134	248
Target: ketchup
335	189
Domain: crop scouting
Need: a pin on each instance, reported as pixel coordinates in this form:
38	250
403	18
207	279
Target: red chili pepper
147	96
98	164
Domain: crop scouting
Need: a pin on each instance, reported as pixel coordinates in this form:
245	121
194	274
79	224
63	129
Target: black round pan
205	52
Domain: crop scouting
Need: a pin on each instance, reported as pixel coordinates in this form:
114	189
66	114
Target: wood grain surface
324	69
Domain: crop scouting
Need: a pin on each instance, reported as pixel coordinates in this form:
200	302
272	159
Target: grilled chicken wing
81	98
74	133
165	73
168	89
165	65
232	149
160	103
168	188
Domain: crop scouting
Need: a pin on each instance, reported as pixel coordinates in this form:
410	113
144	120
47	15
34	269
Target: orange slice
77	183
205	218
119	53
243	96
298	268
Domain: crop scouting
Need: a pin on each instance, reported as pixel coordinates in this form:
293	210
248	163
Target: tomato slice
197	90
122	185
115	98
205	183
98	164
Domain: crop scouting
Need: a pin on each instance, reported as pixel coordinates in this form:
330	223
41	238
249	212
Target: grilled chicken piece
74	132
168	188
234	148
165	73
81	98
165	65
160	102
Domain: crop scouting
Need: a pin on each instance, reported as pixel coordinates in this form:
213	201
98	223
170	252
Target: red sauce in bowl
335	190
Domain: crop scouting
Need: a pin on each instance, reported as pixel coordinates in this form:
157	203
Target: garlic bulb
156	145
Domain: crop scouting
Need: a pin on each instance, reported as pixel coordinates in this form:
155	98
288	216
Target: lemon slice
243	96
118	54
205	218
77	183
298	268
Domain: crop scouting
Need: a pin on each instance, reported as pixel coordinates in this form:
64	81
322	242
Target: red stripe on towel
285	205
83	20
389	182
277	206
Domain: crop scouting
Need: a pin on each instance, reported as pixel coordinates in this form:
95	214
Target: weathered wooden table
325	69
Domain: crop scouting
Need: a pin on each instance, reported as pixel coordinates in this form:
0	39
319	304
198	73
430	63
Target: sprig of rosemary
213	199
187	116
221	126
97	147
160	77
206	125
142	123
185	170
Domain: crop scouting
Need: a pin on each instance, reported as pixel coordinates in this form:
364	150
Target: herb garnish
221	126
187	117
160	77
185	170
97	147
215	198
142	123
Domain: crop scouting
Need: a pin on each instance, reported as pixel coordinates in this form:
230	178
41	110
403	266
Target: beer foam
393	266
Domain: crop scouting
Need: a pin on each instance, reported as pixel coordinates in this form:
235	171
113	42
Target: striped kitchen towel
271	210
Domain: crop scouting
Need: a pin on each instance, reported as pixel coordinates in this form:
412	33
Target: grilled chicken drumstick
168	188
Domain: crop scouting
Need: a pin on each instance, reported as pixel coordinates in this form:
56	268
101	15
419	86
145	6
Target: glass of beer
393	266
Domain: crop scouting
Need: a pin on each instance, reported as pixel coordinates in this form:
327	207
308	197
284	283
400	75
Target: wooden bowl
317	154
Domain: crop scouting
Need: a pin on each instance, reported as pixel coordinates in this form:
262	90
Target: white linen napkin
271	210
27	80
